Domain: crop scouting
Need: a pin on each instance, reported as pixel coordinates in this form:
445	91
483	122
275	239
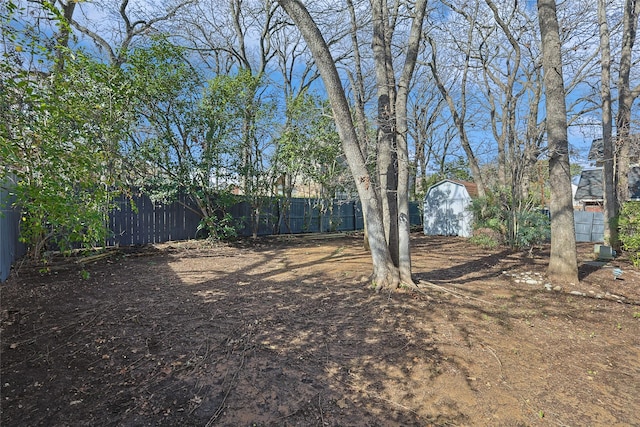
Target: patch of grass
485	241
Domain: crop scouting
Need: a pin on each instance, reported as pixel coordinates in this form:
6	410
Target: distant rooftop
596	152
590	187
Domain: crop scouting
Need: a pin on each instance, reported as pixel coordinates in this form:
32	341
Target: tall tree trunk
506	139
563	263
625	98
387	160
610	202
385	274
404	226
357	85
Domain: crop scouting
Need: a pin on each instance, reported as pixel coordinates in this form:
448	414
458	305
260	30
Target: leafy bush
531	228
218	223
54	217
219	228
488	212
485	241
520	227
57	147
629	222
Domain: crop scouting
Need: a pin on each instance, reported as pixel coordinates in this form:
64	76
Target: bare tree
626	97
393	159
385	274
617	150
426	125
413	45
459	109
609	184
131	25
239	36
512	85
563	262
359	93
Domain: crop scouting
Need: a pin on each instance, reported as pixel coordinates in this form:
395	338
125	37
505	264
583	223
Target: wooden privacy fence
140	221
151	222
157	222
10	246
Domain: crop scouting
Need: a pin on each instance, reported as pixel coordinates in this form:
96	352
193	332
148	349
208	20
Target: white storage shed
446	208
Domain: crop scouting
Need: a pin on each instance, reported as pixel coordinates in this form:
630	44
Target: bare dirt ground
286	332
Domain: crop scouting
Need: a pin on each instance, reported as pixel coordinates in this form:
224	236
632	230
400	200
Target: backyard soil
287	332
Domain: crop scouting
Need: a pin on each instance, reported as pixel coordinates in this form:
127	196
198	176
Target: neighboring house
446	208
294	184
590	191
575	180
589	194
596	152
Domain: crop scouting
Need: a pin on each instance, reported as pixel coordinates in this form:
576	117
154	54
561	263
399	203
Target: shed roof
591	188
471	187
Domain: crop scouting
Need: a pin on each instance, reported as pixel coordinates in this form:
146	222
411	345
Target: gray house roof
590	187
596	152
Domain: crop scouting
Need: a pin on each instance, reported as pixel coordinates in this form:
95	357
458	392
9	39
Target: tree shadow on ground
283	334
162	340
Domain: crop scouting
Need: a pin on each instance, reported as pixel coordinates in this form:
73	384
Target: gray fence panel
312	219
10	246
415	214
269	216
589	226
359	216
262	216
597	230
302	216
144	222
241	212
297	211
343	218
147	222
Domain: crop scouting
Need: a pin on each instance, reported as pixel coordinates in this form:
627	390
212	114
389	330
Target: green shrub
531	228
218	223
520	224
221	227
485	241
629	222
489	212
